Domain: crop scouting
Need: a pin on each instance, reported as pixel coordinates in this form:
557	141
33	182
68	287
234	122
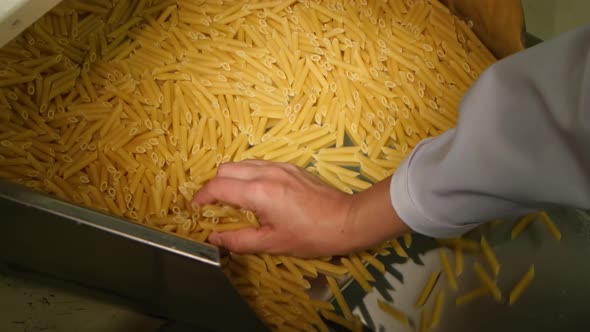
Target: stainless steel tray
156	272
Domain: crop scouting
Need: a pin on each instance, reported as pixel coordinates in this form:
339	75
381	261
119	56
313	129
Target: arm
522	144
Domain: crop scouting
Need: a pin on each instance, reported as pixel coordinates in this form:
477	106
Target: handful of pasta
129	107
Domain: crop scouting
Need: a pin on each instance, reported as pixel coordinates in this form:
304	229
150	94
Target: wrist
372	219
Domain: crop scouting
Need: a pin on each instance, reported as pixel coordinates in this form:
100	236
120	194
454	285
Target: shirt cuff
409	207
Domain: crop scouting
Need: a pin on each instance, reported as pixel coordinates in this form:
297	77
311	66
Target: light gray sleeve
522	144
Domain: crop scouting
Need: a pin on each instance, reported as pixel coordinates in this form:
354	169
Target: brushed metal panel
159	273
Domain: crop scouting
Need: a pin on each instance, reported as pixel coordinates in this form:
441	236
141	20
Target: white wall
548	18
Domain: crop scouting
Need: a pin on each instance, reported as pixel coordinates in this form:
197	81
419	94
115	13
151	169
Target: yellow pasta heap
129	106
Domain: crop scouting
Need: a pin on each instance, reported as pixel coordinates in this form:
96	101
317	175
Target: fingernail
194	205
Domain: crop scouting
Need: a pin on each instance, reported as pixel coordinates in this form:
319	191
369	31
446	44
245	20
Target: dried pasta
487	281
521	285
335	289
130	107
449	273
427	289
399	250
472	295
459	262
522	224
550	225
437	309
490	256
394	312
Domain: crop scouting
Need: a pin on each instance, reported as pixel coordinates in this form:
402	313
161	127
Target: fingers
227	190
242	171
256	162
254	169
245	184
244	241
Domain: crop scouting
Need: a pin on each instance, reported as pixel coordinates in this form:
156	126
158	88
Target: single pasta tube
472	295
407	240
490	256
459	264
335	289
427	289
394	312
522	224
446	265
398	248
550	225
437	309
521	285
425	316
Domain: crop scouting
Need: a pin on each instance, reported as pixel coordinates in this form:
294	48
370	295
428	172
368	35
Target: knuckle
213	186
228	242
235	244
212	183
273	171
265	190
277	171
225	169
222	169
276	190
259	187
291	167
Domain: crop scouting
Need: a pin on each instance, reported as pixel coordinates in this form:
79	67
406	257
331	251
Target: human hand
299	214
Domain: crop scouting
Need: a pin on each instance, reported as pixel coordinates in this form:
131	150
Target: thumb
244	241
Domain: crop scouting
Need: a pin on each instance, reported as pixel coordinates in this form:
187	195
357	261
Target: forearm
372	219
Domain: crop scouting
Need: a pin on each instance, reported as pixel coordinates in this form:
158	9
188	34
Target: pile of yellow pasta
128	106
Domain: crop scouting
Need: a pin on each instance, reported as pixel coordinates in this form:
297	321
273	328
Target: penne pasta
358	264
357	275
522	224
130	107
550	225
488	281
427	289
490	256
335	289
437	309
472	295
521	285
373	261
399	250
394	312
458	251
407	240
338	320
446	265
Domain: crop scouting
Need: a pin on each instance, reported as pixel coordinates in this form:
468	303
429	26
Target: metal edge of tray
198	251
17	15
149	270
